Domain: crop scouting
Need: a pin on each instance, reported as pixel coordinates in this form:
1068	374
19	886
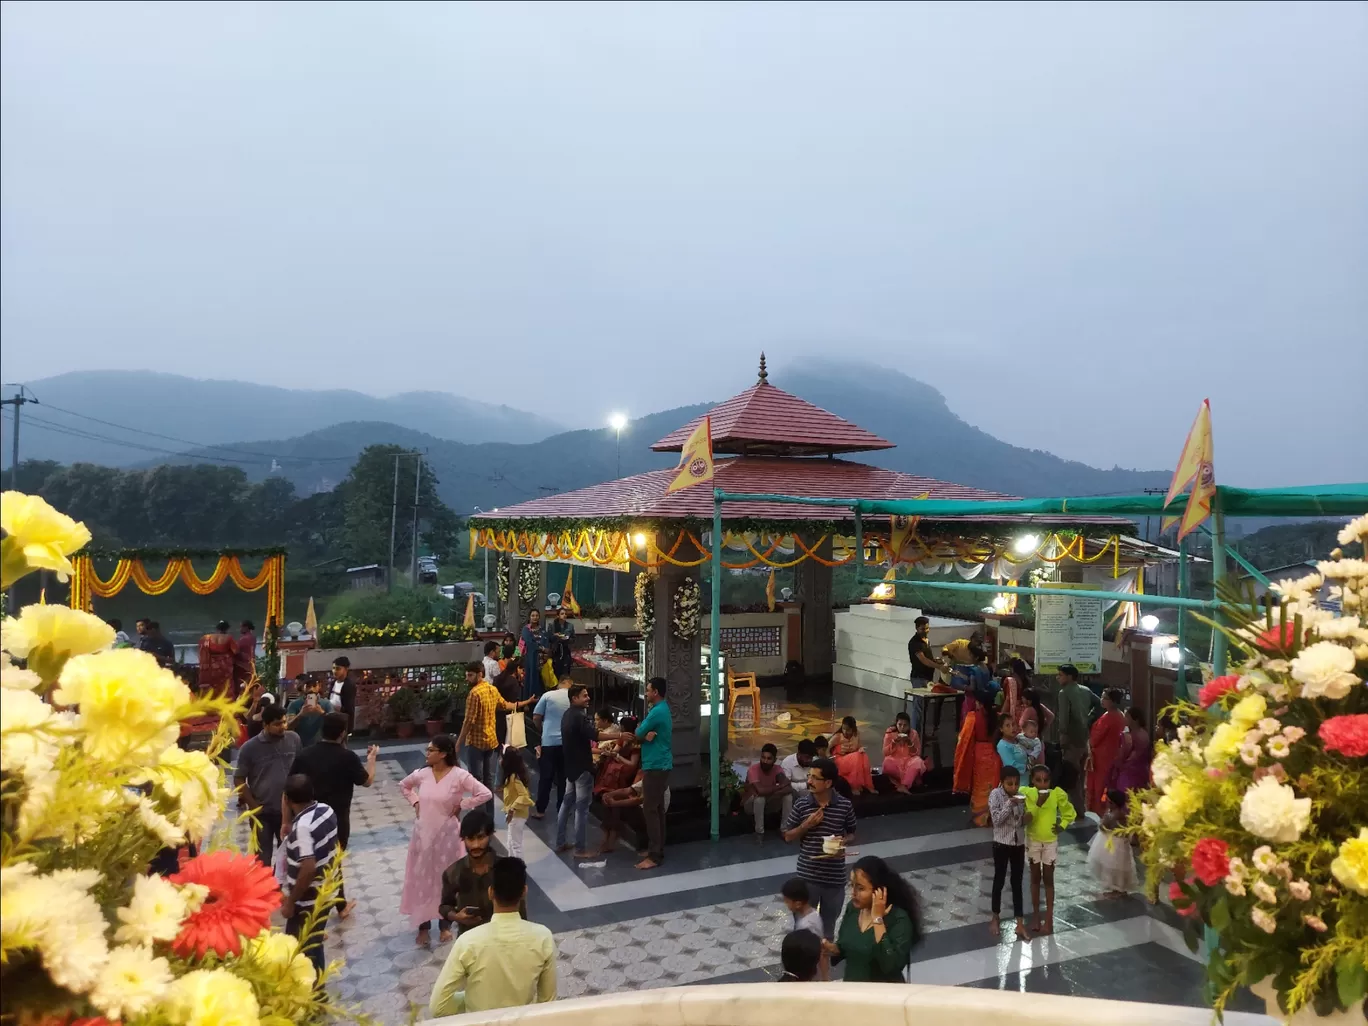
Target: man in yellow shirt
478	741
506	962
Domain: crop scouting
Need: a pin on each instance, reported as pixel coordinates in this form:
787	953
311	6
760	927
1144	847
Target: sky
1076	221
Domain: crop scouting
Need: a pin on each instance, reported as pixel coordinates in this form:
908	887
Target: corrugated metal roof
764	418
644	496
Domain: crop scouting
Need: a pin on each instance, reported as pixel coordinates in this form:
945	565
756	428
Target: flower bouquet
1259	809
93	788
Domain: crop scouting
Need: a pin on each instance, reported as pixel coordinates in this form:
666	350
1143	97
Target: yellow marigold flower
128	703
1248	711
1177	803
14	679
1225	742
47	636
212	997
39	535
55	915
1351	865
280	952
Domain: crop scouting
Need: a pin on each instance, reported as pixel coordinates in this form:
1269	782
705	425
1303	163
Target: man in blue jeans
577	736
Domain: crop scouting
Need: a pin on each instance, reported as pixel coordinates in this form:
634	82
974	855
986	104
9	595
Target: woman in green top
880	925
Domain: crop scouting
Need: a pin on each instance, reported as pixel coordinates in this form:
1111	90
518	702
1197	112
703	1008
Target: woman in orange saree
852	761
977	766
217	653
1104	745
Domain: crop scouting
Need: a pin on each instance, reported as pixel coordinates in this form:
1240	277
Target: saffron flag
469	620
1196	473
696	461
311	620
567	595
769	590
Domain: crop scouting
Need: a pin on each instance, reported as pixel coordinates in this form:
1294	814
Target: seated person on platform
766	788
615	803
795	766
902	762
852	761
821	744
606	725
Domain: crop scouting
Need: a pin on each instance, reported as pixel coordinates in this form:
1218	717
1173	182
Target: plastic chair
740	685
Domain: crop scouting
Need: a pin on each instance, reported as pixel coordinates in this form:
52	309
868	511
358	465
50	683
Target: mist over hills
490	456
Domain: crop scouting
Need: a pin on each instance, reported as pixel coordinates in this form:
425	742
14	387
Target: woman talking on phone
880	926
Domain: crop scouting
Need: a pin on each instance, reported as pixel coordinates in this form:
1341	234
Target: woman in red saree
1104	745
977	766
852	761
902	761
1132	769
217	653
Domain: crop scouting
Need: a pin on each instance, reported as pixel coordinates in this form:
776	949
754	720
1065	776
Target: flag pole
714	638
1218	575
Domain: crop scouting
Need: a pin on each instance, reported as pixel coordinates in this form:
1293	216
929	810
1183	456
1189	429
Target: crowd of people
523	710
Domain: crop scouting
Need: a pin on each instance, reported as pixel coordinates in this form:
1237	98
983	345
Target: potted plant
437	703
403	706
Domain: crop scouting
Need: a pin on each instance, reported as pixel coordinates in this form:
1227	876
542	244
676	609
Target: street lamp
618	421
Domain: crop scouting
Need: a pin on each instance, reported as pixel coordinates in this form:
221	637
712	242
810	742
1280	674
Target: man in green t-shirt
657	760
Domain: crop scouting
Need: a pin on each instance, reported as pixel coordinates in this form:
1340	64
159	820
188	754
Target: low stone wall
386	657
869	1004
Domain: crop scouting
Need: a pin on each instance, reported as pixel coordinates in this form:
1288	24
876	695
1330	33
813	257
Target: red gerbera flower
1210	861
1215	688
242	895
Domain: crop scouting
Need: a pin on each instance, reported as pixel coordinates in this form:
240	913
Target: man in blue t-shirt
656	733
547	715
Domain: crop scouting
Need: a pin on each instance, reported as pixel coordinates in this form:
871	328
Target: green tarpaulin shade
1308	501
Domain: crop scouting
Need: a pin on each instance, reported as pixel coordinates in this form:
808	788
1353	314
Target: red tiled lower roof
644	496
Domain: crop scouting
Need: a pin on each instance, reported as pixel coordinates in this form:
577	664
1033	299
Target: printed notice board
1068	630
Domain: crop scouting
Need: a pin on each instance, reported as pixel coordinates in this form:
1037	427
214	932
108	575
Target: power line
186	441
73	432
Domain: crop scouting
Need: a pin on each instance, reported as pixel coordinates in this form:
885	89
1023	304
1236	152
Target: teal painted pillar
715	639
1218	575
1180	689
859	549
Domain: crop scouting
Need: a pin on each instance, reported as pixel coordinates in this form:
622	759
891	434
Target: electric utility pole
394	515
17	401
417	487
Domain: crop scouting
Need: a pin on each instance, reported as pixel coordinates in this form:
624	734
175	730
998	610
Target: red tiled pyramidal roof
765	420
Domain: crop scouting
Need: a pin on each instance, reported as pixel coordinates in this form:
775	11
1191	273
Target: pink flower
1301	890
1316	923
1210	860
1188	908
1213	690
1275	771
1293	734
1347	735
1278	638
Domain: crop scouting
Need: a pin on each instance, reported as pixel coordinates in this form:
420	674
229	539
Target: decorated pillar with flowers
676	648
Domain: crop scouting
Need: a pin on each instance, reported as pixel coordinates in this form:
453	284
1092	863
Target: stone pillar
812	587
678	662
513	611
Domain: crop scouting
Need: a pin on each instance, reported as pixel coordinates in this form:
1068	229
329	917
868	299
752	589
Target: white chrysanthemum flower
1300	588
1234	886
1343	569
12	678
1264	892
1268	725
1293	734
1300	889
1274	812
1324	670
131	983
154	913
1264	859
1263	920
1341	628
26	744
55	915
170	835
1278	747
1355	530
1162	768
1249	754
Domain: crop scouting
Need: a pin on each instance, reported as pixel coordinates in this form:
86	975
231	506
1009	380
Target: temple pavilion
767	440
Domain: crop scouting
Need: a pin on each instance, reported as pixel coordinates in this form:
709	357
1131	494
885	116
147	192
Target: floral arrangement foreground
93	785
1259	807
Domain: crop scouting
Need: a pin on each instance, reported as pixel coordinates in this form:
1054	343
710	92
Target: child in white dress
1109	856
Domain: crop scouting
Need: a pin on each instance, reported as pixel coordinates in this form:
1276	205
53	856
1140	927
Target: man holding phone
466	882
307	714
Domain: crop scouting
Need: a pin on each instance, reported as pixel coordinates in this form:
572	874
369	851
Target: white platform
871	645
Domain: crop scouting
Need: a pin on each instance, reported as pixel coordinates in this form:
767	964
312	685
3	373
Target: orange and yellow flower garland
86	584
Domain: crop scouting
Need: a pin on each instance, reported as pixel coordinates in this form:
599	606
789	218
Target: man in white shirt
491	660
795	766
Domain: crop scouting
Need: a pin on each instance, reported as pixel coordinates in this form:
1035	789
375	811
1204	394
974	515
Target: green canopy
1308	501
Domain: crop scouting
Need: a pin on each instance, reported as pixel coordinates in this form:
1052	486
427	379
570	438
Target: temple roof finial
764	374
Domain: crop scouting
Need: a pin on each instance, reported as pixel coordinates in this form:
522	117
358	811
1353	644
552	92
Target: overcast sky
1075	221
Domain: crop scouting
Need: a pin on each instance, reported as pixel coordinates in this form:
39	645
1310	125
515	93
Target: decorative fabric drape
87	585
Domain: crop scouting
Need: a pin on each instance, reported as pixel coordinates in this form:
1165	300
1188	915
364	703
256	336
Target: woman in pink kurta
439	792
902	762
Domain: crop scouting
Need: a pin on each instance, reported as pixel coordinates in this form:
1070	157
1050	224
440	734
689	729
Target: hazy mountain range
487	455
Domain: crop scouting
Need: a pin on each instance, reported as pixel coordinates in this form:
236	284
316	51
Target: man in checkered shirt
478	736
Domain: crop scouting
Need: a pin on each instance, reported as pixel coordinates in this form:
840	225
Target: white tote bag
517	730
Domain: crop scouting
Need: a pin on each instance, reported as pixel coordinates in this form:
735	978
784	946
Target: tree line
214	507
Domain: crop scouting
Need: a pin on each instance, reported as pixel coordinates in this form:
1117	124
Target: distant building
372	575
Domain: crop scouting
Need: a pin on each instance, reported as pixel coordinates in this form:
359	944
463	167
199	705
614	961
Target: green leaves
1351	978
1220	916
